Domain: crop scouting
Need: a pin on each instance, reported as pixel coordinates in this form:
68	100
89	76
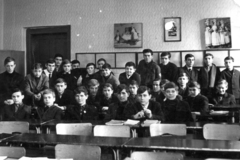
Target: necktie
16	108
50	75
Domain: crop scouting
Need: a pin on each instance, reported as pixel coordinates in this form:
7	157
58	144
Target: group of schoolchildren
149	91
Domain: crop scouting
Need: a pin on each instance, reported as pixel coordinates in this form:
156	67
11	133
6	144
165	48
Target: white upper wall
92	21
1	23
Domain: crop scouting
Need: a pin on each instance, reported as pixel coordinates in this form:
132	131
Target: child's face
81	98
162	88
107	92
100	64
144	98
50	67
90	70
10	66
67	67
93	90
75	65
222	88
37	72
133	89
165	60
182	81
228	64
129	70
60	87
171	93
106	72
123	96
58	61
17	97
194	91
48	99
156	86
190	62
208	60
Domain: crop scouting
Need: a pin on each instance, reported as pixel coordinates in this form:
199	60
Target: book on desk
131	122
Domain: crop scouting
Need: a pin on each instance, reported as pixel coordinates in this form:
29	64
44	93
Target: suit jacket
177	111
198	104
123	78
233	81
70	79
155	108
51	79
49	113
169	72
118	110
8	82
66	99
31	86
226	99
77	112
193	75
22	114
112	80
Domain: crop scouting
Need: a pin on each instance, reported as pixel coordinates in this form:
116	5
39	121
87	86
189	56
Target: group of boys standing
149	91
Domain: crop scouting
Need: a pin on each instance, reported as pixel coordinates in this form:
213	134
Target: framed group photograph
172	29
128	35
217	33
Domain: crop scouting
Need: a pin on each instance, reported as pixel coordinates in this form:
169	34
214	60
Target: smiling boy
129	74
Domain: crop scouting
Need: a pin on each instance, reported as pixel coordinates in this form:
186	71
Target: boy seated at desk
196	101
64	97
49	111
183	85
81	111
34	85
133	87
156	90
117	109
175	110
145	108
17	111
222	97
94	95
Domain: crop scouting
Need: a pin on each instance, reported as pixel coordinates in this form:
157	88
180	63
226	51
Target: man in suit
50	72
191	72
18	111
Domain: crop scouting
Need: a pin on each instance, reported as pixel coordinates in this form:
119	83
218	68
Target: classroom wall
92	21
1	23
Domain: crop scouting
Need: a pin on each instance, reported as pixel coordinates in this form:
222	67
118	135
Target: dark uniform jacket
198	104
169	72
118	111
226	99
123	78
66	99
49	113
21	114
193	74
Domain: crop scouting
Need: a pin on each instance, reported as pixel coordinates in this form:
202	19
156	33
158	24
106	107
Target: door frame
31	31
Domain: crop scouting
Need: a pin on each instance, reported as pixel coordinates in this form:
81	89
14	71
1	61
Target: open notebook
119	122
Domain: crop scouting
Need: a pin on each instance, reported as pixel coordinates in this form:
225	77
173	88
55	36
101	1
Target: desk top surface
53	139
176	143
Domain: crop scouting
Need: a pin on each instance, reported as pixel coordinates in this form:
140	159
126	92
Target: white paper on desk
131	122
148	122
33	158
115	122
3	157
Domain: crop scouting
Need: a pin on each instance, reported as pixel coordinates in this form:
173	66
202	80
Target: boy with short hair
100	63
94	96
161	97
129	74
189	69
145	108
108	96
168	69
58	61
90	74
196	101
75	64
175	110
156	90
64	97
82	110
67	75
18	111
222	97
183	85
117	110
49	111
108	76
232	76
50	72
34	85
133	87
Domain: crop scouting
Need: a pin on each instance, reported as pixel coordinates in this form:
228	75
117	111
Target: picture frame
128	35
172	29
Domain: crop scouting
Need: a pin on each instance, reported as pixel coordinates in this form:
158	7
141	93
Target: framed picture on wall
172	29
128	35
217	33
